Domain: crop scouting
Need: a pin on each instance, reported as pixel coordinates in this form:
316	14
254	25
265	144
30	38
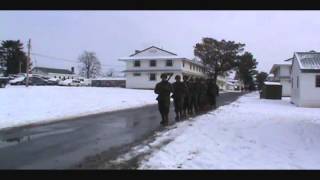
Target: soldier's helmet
185	77
178	77
163	76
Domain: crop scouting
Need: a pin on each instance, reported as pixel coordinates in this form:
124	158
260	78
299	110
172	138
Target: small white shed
305	78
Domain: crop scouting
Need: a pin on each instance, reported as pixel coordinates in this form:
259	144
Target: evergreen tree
218	56
11	53
246	69
261	78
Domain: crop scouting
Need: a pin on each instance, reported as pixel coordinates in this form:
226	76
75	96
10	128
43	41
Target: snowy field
250	133
37	104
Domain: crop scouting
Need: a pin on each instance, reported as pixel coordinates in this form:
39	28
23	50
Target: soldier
187	98
179	91
193	96
196	95
212	93
163	89
217	89
203	98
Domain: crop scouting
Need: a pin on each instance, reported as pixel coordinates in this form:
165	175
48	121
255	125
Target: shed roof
308	60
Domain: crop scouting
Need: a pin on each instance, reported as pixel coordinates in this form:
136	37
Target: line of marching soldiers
190	96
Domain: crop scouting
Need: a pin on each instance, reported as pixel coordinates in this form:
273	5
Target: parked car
70	82
3	82
85	82
19	80
37	81
53	81
33	80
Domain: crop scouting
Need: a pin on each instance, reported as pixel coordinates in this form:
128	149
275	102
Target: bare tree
90	65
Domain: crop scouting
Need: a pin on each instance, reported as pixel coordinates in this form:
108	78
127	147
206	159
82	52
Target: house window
136	74
190	66
317	80
153	63
182	63
136	63
291	82
297	81
152	77
169	63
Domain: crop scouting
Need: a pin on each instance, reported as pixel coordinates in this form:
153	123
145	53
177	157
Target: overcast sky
271	36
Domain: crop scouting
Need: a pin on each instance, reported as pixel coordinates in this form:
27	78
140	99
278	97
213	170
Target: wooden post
28	63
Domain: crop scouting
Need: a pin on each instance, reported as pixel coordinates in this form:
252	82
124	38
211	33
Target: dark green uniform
163	89
179	92
196	95
187	109
212	93
203	98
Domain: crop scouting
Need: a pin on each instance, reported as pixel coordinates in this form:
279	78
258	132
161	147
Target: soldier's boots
178	116
164	123
165	120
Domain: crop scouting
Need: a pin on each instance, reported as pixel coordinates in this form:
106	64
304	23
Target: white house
305	78
282	73
143	68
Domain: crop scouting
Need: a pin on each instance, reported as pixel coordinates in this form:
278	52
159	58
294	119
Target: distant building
233	85
282	73
143	68
55	73
305	78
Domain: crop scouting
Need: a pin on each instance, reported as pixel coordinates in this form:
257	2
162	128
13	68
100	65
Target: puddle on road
9	141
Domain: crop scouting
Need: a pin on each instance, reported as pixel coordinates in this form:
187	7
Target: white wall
310	94
143	82
284	71
161	64
195	71
307	94
286	87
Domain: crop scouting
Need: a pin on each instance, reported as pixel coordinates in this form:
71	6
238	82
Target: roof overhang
275	66
151	58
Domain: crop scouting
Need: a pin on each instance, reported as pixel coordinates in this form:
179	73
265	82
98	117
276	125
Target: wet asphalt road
66	144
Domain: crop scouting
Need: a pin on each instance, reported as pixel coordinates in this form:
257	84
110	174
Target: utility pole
28	62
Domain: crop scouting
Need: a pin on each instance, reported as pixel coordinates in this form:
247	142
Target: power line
68	60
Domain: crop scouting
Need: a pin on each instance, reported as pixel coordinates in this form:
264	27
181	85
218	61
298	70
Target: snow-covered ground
37	104
250	133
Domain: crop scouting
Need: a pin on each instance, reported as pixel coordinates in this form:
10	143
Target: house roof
167	55
53	70
308	60
275	66
150	57
150	48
